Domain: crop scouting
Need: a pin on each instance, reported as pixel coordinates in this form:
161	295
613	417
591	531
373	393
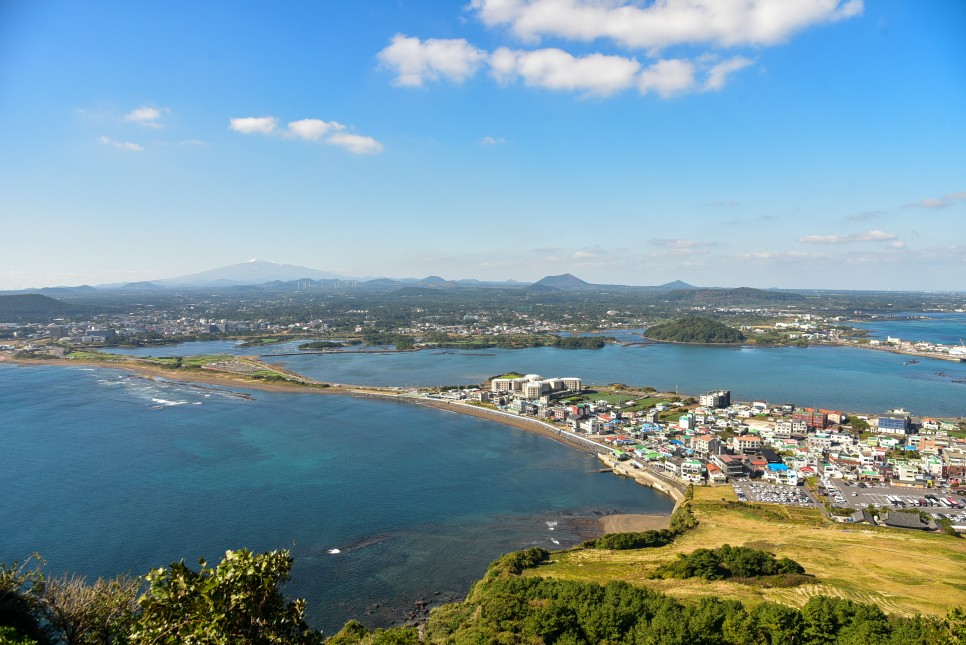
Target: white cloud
784	256
121	145
145	115
868	236
718	74
667	78
492	141
928	202
416	61
555	69
897	245
313	129
956	196
875	236
355	143
331	132
663	23
254	124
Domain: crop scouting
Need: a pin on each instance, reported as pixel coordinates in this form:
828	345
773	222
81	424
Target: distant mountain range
29	306
272	275
247	273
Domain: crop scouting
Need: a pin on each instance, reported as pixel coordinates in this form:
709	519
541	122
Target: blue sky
778	143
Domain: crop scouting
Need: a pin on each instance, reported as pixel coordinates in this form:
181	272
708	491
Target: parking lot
854	496
862	495
754	491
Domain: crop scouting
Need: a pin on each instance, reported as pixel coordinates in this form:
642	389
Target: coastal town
893	470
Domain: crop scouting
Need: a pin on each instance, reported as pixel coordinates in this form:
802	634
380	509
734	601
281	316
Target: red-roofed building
812	418
715	474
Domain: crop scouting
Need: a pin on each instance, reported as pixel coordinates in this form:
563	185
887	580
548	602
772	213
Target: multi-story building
533	386
716	399
58	331
893	425
731	466
812	418
707	444
783	429
746	443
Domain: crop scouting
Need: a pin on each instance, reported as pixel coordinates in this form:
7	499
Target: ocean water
852	379
105	472
948	328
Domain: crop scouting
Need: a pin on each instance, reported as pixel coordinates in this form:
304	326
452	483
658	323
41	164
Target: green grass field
611	397
902	571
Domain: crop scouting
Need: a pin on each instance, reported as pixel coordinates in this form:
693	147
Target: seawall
646	476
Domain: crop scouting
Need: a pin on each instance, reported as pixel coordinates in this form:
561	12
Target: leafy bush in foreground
728	562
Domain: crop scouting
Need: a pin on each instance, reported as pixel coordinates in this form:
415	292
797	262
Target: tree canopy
695	329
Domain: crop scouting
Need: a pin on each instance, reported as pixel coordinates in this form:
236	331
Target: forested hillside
695	329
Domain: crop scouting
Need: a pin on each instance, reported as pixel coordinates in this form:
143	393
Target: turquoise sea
105	472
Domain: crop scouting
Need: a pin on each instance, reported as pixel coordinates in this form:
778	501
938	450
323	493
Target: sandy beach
634	523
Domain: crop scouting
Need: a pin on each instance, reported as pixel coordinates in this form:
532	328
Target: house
692	470
673	465
906	471
715	474
779	473
807	471
591	425
757	465
819	441
829	470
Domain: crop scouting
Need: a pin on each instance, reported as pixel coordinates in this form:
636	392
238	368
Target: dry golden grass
903	572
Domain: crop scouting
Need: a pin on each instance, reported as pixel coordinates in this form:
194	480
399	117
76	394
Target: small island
695	329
